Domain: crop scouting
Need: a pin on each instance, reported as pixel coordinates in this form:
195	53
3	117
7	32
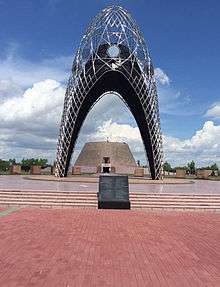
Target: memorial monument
112	57
106	157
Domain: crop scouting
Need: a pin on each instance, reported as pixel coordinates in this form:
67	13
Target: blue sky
183	38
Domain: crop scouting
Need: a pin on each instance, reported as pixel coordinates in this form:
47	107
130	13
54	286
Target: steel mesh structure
112	57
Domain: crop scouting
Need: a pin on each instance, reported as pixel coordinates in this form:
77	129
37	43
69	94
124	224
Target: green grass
8	211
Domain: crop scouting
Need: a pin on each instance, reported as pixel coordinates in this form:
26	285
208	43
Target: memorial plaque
113	192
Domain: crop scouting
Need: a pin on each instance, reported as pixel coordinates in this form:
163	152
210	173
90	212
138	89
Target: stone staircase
47	199
175	201
142	201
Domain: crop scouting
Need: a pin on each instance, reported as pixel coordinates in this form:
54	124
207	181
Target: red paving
2	208
88	247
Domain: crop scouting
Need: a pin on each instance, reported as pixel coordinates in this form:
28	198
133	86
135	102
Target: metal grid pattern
113	27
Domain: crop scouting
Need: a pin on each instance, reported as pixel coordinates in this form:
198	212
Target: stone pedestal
139	171
15	169
113	192
35	169
180	173
204	173
76	170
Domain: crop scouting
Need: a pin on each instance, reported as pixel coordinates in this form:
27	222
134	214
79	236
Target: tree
191	167
12	161
4	165
181	167
41	162
167	167
214	167
27	163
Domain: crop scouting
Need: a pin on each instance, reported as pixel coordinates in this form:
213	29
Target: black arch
117	82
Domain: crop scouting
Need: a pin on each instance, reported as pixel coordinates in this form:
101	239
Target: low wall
139	171
36	169
15	169
76	170
180	173
204	173
115	169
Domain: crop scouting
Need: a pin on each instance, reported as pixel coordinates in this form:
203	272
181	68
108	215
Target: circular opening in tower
113	51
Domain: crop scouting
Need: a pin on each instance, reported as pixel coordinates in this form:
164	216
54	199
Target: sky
38	41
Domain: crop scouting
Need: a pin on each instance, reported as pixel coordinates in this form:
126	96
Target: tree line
43	162
24	163
190	167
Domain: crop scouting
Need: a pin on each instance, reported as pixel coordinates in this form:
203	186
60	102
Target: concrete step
175	207
47	204
143	200
77	197
67	193
86	197
94	194
47	200
174	195
89	199
139	194
175	204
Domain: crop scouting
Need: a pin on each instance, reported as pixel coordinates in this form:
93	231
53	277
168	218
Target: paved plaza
89	247
17	182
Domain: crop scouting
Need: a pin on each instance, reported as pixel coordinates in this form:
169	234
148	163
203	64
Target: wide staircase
175	201
141	201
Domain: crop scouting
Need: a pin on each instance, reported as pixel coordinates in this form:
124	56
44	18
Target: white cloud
214	111
29	127
117	132
9	89
203	147
25	73
30	113
161	76
36	102
99	125
29	123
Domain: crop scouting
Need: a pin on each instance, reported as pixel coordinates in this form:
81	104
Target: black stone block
113	192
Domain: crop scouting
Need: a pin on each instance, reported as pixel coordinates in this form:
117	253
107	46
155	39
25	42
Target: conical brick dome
93	155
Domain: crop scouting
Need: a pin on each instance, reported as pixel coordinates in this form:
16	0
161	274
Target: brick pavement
89	247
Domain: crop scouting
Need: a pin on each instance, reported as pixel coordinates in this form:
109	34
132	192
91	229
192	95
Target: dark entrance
106	169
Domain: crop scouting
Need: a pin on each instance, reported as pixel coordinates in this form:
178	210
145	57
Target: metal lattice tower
112	57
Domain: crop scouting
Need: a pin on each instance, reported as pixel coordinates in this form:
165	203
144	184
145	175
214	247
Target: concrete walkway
11	182
95	179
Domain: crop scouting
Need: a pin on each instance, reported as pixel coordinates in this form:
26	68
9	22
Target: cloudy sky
38	40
